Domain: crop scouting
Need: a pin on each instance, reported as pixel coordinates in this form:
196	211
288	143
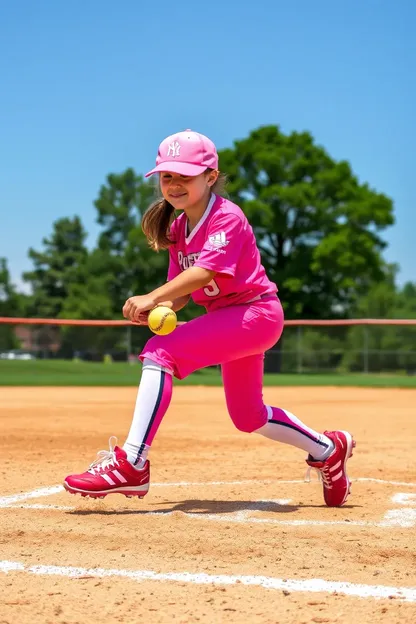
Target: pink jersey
222	241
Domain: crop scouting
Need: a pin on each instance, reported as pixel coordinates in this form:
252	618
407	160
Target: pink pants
235	337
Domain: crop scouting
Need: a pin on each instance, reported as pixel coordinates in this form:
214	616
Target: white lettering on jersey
187	261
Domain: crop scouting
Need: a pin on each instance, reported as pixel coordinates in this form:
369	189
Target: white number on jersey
211	289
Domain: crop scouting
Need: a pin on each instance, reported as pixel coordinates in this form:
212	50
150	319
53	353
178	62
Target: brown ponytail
156	224
159	216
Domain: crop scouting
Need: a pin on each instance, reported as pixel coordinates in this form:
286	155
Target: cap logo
174	149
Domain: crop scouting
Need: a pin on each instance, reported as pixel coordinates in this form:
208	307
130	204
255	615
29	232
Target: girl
213	256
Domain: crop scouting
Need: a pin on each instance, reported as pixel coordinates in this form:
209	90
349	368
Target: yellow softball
162	320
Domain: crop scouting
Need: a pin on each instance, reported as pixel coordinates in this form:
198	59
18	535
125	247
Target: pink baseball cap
187	153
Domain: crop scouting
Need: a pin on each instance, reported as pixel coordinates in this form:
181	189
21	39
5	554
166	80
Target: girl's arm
187	282
175	291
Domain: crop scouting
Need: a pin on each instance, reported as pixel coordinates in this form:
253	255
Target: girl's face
185	192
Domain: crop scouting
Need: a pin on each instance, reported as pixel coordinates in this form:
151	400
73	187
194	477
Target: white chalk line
404	517
372	480
404	499
392	519
38	506
406	594
6	501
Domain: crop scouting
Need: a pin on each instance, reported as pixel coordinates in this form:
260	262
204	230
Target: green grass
68	373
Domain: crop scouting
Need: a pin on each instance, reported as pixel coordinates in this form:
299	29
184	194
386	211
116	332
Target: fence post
299	349
365	348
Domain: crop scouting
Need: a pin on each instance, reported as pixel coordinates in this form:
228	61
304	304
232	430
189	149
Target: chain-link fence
358	345
363	348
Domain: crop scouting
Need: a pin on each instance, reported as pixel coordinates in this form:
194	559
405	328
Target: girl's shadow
205	507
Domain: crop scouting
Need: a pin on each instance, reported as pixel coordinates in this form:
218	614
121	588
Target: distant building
38	338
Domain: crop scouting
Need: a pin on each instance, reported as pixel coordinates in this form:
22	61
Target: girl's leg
153	399
126	471
217	337
205	341
328	452
249	413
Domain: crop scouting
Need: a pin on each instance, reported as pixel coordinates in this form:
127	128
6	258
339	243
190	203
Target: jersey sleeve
222	248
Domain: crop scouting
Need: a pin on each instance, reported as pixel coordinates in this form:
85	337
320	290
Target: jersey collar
201	221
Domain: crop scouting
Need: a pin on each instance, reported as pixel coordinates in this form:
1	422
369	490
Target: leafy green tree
8	295
317	226
122	248
10	305
89	297
57	268
384	347
406	302
310	350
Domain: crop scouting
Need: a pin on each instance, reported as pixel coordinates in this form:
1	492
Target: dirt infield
229	531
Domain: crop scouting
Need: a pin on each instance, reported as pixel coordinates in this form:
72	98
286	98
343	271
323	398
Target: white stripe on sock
294	432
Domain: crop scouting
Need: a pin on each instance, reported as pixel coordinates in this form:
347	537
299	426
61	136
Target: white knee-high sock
284	426
153	399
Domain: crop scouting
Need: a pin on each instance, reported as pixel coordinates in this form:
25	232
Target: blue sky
92	86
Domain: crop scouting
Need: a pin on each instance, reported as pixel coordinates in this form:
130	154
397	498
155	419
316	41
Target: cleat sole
141	493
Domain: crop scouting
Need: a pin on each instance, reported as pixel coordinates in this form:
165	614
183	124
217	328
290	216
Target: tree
10	305
316	225
89	297
8	295
382	347
57	268
122	247
406	301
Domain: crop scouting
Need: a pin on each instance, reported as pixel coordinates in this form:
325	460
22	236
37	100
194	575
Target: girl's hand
137	308
143	319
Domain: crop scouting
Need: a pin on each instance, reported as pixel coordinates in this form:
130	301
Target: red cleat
111	473
332	470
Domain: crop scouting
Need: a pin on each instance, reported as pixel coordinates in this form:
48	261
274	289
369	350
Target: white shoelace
323	476
104	458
